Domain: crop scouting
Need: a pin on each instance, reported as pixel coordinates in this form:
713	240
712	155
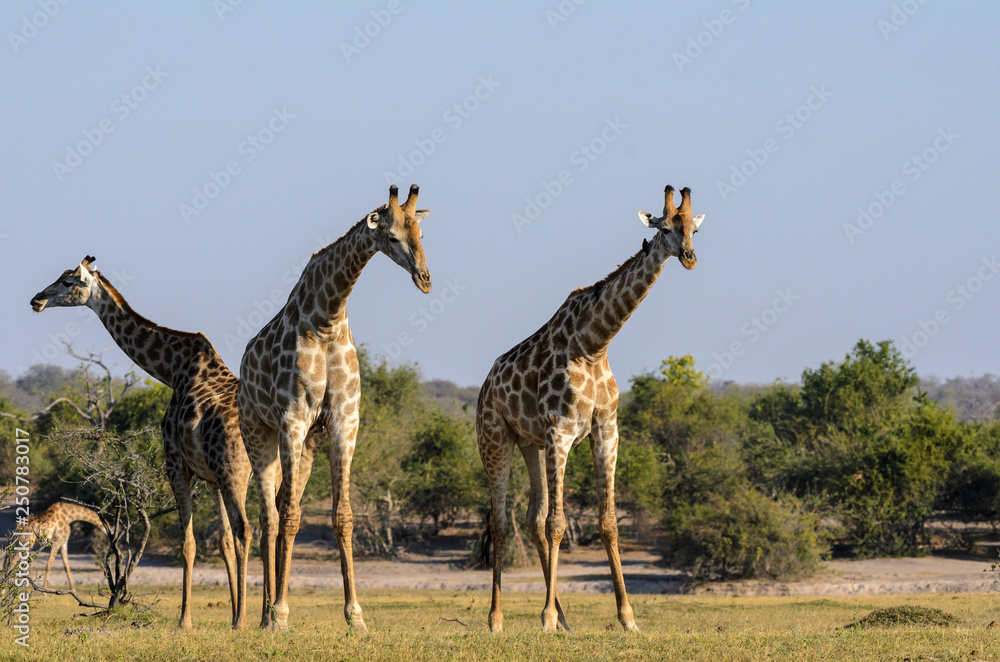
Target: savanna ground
410	622
436	625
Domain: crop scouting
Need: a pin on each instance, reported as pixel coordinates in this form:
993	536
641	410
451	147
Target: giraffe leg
48	565
557	447
64	552
604	445
291	441
226	549
305	469
234	496
180	483
496	448
341	453
538	504
267	483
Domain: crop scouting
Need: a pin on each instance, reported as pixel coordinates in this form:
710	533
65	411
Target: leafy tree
857	445
872	385
443	474
142	408
972	487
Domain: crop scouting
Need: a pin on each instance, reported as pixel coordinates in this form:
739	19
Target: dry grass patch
450	625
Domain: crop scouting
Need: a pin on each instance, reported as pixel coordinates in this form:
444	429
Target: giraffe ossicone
300	383
201	433
553	390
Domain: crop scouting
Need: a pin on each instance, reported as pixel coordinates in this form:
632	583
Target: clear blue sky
838	97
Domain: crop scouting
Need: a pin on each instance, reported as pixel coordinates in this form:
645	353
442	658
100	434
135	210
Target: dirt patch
442	563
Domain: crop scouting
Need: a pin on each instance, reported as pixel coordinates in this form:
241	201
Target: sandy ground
582	571
442	566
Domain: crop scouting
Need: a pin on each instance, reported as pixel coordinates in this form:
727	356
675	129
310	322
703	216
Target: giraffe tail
486	544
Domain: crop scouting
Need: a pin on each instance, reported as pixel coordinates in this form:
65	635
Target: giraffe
53	526
555	388
299	382
201	435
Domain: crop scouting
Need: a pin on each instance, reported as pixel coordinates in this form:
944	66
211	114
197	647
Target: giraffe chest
556	394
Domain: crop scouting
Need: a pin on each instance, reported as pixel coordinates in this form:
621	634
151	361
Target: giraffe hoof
550	621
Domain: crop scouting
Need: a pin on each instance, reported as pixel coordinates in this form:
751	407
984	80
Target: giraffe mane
120	300
599	285
323	251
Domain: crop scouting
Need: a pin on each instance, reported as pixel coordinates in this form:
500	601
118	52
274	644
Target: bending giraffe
554	389
53	525
299	380
201	434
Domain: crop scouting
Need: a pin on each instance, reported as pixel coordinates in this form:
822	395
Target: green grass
414	625
904	615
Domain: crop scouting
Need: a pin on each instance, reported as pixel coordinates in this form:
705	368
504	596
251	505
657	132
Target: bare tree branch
61	591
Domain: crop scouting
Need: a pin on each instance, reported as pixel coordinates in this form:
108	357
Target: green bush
443	474
747	536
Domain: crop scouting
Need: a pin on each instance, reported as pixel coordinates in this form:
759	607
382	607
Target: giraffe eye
68	283
393	239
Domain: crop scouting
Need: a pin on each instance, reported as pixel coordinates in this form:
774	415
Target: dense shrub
745	536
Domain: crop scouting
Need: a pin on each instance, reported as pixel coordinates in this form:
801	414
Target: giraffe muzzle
422	279
688	259
38	304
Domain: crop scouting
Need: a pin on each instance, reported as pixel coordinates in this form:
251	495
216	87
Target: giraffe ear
421	214
372	220
649	220
697	220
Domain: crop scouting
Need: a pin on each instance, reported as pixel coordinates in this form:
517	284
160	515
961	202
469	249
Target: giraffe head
677	224
72	288
397	229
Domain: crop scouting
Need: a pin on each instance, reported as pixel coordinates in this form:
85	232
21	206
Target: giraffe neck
327	280
609	303
164	353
